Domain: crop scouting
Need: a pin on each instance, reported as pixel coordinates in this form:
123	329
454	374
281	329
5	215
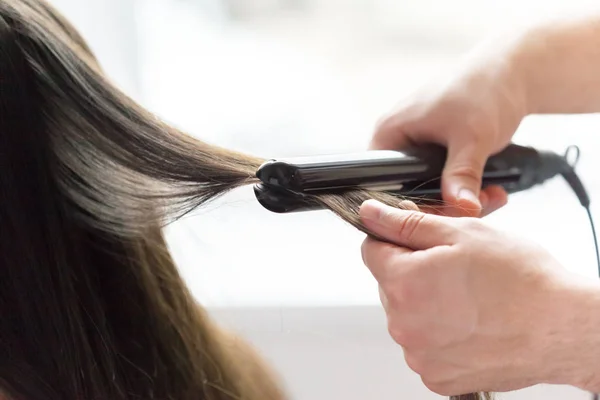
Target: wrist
530	59
556	63
571	354
490	72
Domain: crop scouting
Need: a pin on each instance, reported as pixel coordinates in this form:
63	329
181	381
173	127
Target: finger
435	210
459	210
383	259
496	199
484	200
443	210
383	299
413	229
390	135
447	210
462	176
491	199
408	205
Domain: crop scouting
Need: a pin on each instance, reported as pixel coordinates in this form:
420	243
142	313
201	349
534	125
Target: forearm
558	64
573	353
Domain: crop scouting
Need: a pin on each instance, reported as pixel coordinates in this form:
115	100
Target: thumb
407	228
462	176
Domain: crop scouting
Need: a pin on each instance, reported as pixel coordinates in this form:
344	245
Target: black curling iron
286	184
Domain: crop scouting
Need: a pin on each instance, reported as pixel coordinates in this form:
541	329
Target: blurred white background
299	77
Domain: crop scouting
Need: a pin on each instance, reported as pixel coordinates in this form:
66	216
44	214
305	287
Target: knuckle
371	252
472	225
416	363
383	299
409	290
386	122
398	294
478	129
406	337
394	303
379	258
408	205
437	386
387	127
396	119
364	250
468	172
409	225
397	333
401	295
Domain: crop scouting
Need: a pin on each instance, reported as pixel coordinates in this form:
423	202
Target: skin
475	108
473	308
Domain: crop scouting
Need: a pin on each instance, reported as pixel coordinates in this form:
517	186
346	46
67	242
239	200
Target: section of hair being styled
92	304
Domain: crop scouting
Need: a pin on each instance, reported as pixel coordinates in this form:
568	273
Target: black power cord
589	213
573	180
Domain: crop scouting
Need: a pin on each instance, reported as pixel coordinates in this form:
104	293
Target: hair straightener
414	173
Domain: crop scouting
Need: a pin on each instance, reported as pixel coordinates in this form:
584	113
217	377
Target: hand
477	310
474	113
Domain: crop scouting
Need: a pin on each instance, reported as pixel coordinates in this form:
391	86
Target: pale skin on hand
498	319
475	109
475	309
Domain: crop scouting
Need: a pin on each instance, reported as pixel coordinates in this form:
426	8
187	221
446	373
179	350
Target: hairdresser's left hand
476	309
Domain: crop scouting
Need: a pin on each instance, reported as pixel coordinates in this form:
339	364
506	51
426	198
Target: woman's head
92	305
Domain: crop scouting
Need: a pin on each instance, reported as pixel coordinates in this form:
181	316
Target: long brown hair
92	306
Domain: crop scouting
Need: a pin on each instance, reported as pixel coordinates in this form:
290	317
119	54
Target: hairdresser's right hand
474	112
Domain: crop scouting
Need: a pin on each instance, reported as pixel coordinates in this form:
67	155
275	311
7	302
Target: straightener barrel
373	170
288	185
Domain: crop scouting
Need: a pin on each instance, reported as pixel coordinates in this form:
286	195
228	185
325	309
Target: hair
92	304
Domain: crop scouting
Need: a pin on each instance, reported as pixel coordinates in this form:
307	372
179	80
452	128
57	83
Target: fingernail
371	210
484	200
408	205
466	194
